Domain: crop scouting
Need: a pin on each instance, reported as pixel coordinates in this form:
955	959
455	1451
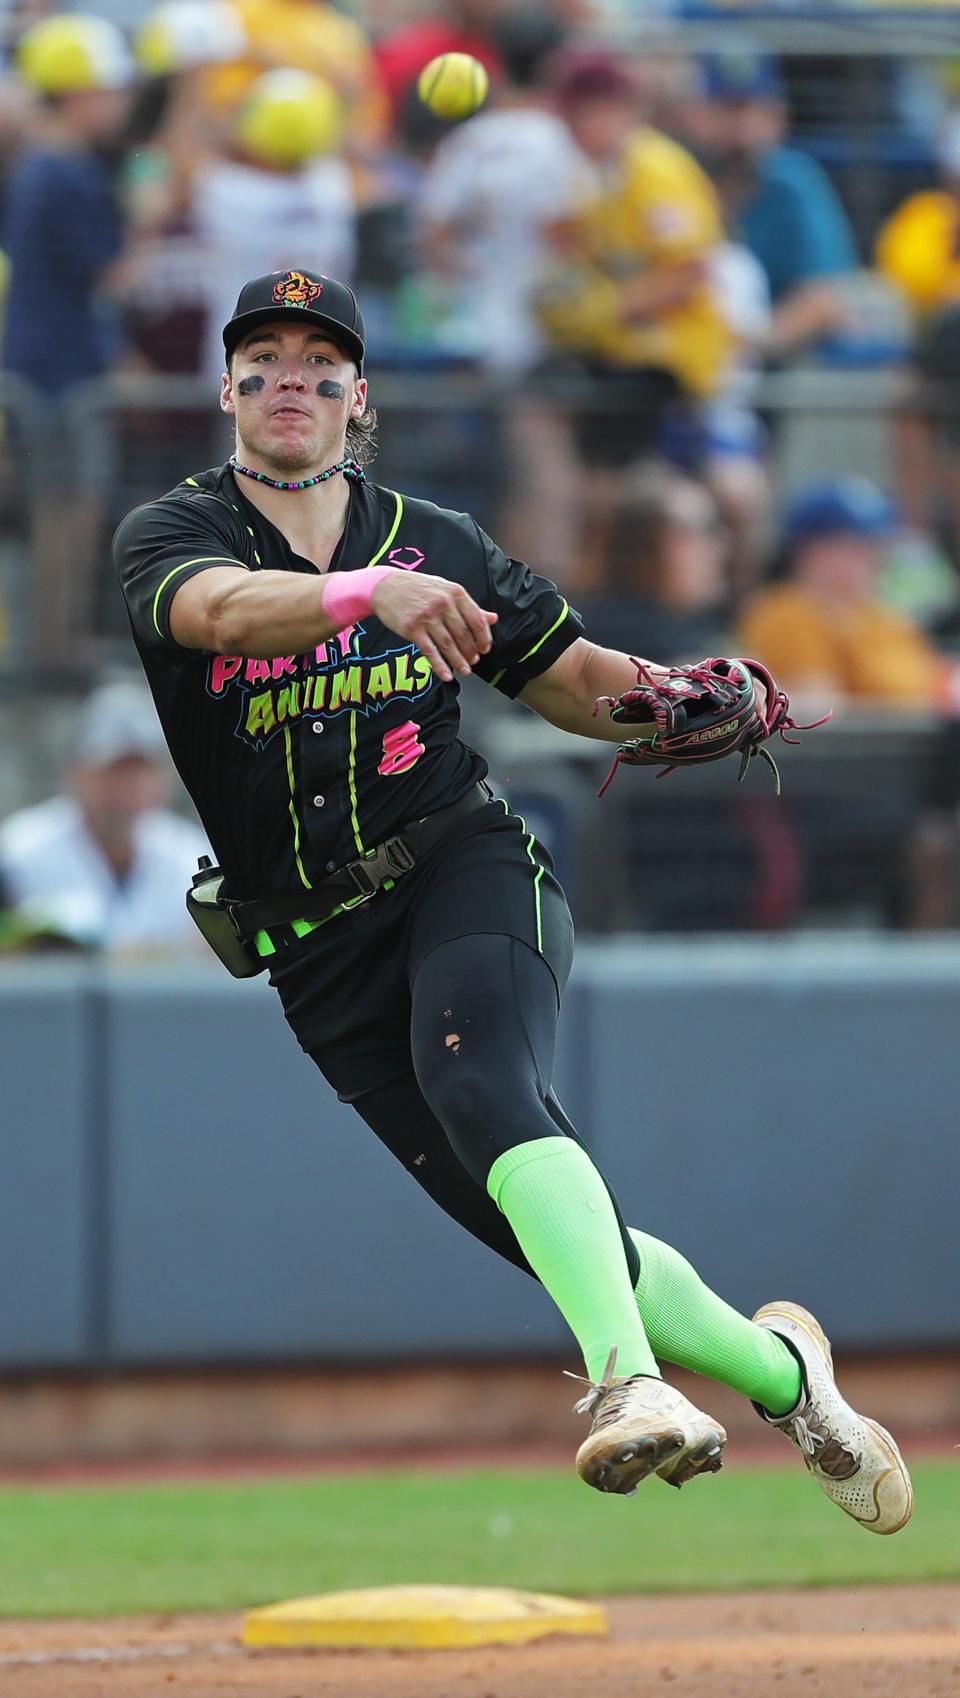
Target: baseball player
304	632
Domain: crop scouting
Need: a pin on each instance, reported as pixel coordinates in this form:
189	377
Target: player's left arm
566	693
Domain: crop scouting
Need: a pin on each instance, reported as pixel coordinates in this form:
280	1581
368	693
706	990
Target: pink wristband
347	596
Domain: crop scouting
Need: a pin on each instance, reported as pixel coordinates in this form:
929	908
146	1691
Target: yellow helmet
181	34
69	53
289	117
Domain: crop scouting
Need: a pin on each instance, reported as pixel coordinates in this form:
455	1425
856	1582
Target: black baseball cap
301	295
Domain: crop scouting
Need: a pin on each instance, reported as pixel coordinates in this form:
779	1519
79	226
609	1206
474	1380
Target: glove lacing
656	694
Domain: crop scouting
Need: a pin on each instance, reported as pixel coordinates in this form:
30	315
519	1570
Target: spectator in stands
284	191
628	303
776	199
63	240
918	250
175	136
488	196
666	592
728	442
64	229
306	35
105	864
823	631
931	863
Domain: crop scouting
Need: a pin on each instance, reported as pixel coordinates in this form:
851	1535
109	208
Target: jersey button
317	727
318	801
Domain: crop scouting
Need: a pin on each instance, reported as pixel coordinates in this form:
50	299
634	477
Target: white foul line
116	1654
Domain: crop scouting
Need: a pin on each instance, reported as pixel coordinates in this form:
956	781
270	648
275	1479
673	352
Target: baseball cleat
641	1426
854	1460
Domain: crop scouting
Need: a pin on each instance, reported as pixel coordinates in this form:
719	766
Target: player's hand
444	621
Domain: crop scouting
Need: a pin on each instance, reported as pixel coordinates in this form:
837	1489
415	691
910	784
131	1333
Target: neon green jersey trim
201	560
293	809
352	764
352	784
302	928
565	609
397	516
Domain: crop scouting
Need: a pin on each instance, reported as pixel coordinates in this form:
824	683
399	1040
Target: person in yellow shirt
626	299
918	250
306	35
823	632
631	289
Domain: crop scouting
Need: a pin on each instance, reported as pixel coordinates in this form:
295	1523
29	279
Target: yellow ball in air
453	85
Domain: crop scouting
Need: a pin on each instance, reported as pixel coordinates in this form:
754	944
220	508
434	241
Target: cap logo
295	290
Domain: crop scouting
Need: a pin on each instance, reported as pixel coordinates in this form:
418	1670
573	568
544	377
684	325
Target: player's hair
362	437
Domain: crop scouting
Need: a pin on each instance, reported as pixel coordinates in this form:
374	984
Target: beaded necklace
350	469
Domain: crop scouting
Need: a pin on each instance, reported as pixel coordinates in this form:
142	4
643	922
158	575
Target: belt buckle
397	854
366	886
390	859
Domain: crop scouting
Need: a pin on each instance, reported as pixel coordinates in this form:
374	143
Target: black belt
359	880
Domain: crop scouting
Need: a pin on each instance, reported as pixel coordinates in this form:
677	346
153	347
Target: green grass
124	1550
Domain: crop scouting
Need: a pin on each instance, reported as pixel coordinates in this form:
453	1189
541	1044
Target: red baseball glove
701	713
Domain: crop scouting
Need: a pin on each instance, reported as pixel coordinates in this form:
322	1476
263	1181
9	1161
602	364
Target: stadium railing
711	857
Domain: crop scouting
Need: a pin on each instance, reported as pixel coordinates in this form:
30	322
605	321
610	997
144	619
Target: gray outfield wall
181	1186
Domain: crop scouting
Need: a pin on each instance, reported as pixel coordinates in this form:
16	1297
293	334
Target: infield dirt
889	1642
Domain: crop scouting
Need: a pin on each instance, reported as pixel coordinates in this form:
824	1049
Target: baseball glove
701	713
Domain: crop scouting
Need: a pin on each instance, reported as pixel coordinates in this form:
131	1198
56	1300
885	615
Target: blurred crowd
622	249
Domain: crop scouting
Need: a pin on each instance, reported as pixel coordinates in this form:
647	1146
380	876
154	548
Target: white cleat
642	1426
853	1459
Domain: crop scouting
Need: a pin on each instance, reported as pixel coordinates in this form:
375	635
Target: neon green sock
688	1324
563	1220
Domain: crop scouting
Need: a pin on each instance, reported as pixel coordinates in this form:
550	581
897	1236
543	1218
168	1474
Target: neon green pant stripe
293	810
538	874
536	896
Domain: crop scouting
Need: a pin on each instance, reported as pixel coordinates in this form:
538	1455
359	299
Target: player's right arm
231	610
185	587
262	614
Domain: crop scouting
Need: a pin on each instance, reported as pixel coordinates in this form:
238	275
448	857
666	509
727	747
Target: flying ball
453	85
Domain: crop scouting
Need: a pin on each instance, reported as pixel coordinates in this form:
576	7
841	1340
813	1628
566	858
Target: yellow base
423	1618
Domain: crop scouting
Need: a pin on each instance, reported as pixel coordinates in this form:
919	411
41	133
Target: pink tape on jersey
347	596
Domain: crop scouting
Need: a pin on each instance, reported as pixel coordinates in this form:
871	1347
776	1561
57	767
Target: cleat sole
705	1458
630	1463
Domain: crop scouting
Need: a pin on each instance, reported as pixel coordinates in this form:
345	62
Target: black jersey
299	764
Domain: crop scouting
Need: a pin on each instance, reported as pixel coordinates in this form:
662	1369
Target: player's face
293	392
